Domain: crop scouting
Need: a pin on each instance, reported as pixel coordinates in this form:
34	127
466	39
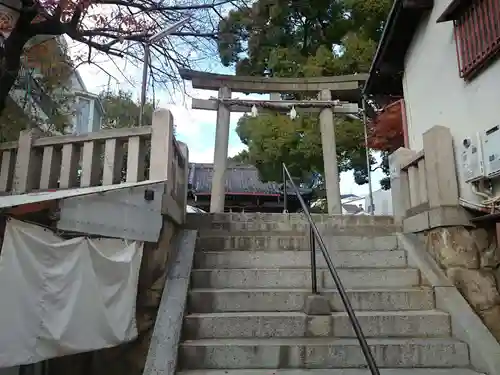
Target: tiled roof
240	179
352	208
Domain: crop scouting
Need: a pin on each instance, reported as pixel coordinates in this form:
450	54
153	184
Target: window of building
82	116
476	26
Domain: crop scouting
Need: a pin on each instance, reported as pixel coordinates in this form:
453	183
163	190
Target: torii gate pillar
332	180
218	193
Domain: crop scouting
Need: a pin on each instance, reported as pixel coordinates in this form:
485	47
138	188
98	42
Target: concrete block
282	222
320	353
234	300
223	240
362	242
318	324
374	277
301	278
316	304
416	223
259	241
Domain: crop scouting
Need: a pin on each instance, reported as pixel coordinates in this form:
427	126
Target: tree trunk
10	56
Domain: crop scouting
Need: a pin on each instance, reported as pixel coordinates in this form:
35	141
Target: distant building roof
352	208
240	179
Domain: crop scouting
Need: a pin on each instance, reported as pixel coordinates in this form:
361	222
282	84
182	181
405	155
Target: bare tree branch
118	28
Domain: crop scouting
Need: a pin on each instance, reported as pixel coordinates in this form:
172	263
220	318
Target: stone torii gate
337	94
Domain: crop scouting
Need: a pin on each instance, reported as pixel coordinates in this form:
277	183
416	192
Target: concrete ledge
448	216
443	216
416	223
466	325
171	208
162	354
231	221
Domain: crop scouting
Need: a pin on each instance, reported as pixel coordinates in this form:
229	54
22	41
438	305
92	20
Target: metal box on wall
491	149
472	158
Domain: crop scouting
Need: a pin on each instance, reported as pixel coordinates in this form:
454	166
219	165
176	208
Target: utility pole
146	61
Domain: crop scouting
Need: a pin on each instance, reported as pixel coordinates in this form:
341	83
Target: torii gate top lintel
346	87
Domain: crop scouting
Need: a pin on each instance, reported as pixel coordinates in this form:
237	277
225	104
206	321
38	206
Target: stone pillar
332	180
442	180
162	136
400	184
185	177
440	167
220	153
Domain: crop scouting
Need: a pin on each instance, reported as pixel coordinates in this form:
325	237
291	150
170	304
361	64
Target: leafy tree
273	138
44	75
302	39
121	111
116	28
386	135
243	157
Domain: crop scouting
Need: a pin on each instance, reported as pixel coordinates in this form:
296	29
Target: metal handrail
316	236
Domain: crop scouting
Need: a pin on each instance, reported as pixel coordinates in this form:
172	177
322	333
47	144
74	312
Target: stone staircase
250	280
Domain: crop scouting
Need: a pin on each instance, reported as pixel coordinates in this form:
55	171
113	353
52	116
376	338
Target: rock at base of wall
471	260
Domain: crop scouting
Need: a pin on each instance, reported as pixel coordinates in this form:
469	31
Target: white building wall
436	95
382	200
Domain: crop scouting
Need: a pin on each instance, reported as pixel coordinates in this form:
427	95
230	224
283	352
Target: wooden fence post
28	163
7	170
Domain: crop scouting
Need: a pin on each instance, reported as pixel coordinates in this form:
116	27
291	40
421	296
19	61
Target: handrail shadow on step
316	236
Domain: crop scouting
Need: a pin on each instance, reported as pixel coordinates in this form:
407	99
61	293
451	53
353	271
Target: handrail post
285	196
365	348
312	243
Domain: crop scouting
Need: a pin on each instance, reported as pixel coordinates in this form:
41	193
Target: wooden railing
107	157
424	184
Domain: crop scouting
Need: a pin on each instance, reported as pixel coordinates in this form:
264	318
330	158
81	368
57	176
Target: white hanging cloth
60	297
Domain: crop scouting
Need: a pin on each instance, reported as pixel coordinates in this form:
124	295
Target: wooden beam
246	106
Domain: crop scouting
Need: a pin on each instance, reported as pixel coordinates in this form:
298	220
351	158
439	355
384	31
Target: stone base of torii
337	94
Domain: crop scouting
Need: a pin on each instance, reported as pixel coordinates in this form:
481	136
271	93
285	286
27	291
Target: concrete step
223	240
430	323
236	300
350	371
298	259
320	353
301	278
285	222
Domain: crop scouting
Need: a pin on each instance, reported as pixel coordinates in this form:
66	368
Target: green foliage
301	39
48	73
121	111
273	138
243	157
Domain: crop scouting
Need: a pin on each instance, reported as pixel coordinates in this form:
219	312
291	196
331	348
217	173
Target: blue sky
194	127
